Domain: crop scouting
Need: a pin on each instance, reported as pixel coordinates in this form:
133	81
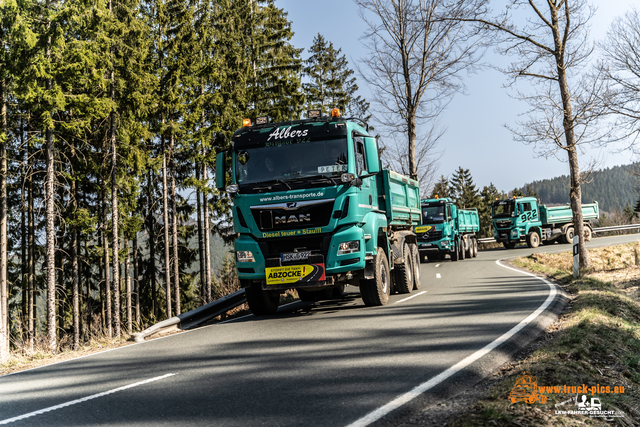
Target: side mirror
220	171
371	150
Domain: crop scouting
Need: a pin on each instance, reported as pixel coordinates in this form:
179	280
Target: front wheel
509	245
376	291
262	302
533	239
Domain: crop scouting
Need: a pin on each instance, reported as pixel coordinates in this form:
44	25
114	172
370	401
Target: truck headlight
515	233
245	256
349	247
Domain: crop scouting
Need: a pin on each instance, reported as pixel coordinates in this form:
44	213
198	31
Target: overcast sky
476	138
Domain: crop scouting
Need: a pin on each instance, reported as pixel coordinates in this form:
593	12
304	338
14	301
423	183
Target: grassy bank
595	342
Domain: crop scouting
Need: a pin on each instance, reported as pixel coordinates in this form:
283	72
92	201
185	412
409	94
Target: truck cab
516	220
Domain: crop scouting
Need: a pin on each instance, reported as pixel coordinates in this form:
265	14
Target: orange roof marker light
246	123
335	113
437	197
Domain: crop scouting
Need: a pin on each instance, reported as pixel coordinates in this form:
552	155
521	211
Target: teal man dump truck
314	211
525	219
446	229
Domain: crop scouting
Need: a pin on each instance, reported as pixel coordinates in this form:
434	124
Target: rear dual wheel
403	273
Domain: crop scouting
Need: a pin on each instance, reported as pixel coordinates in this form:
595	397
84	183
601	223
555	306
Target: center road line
412	296
438	276
376	414
437	265
84	399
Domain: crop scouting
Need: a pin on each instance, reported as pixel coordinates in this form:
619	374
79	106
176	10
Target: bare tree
417	53
621	69
550	41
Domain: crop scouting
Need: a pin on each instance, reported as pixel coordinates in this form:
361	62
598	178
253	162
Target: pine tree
442	188
463	190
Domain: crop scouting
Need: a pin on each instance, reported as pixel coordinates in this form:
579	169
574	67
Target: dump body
524	219
312	208
447	230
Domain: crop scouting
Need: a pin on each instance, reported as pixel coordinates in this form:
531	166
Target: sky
475	137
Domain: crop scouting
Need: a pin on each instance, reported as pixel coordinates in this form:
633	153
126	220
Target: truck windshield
432	214
502	209
318	162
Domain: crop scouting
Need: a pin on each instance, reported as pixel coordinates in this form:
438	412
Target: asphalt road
324	364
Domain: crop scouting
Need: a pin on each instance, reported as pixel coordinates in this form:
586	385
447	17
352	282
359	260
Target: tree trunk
114	208
127	281
174	226
107	282
575	194
207	233
50	232
167	259
151	271
4	288
200	238
24	279
135	278
32	256
76	272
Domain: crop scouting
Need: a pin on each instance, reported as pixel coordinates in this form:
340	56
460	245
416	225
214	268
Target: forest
112	115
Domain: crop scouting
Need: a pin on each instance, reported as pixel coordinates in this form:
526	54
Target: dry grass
595	341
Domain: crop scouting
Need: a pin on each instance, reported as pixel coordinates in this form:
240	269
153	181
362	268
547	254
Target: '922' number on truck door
528	216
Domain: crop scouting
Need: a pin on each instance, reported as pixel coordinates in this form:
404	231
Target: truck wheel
376	292
461	249
404	272
475	247
533	239
415	258
455	251
262	302
469	250
568	235
587	234
509	245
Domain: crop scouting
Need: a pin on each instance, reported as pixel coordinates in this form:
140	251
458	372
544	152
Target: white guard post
576	263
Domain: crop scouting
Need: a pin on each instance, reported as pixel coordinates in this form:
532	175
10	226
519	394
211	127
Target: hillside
613	188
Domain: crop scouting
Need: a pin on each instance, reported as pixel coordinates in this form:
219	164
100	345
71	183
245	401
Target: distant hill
613	188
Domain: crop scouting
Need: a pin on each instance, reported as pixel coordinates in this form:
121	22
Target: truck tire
403	273
509	245
262	302
587	233
533	239
454	253
461	250
469	250
415	257
376	291
475	247
568	235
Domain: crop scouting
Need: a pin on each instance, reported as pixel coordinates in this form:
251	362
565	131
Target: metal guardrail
595	231
195	317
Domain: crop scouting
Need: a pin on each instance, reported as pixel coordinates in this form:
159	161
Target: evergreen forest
112	113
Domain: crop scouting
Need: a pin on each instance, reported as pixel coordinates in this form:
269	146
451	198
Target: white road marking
438	276
418	390
84	399
412	296
437	265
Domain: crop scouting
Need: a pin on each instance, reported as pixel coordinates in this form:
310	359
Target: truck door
367	194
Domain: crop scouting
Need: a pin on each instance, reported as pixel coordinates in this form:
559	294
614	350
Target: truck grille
503	224
293	215
430	236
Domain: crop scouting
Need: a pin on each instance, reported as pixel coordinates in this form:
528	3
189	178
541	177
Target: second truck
524	219
447	230
314	211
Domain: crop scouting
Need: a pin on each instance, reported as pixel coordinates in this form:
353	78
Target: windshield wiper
316	178
269	187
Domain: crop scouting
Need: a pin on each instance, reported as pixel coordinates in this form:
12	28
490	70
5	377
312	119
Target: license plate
426	245
295	256
295	274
